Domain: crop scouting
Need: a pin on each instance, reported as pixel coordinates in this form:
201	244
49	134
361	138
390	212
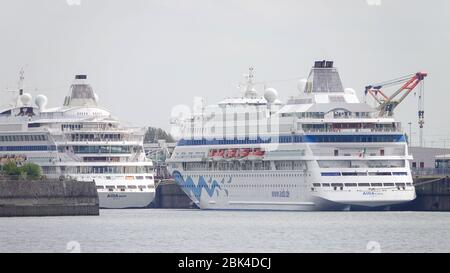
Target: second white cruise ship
80	140
322	150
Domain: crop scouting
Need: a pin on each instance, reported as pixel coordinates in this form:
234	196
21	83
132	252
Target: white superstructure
79	140
322	150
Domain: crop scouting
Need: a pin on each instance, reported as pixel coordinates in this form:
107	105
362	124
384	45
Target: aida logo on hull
372	193
115	195
210	186
281	194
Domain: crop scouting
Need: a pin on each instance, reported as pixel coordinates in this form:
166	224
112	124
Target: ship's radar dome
271	94
41	101
301	85
26	99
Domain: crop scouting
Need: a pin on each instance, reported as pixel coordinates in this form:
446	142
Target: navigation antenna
250	91
21	86
21	81
250	74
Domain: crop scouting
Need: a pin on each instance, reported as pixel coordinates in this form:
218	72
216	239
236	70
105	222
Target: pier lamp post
410	135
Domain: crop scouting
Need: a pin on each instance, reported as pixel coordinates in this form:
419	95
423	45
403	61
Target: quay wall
169	195
47	198
433	194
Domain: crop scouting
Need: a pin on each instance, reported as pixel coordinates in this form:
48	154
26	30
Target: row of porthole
252	175
252	186
124	187
361	184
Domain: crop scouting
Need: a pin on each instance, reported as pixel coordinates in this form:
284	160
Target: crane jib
387	104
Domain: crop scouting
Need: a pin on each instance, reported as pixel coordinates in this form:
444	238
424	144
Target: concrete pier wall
432	196
48	198
170	196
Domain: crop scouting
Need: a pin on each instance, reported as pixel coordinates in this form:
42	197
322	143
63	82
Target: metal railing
430	171
344	130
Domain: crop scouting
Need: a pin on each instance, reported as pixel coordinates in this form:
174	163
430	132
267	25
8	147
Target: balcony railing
430	171
350	130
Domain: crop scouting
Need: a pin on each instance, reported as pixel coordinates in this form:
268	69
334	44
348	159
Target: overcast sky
144	56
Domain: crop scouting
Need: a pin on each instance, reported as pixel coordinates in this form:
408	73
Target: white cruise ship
322	150
79	140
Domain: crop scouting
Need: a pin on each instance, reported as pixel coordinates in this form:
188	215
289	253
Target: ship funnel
81	93
323	78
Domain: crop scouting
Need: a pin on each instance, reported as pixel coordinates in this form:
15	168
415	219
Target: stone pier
48	198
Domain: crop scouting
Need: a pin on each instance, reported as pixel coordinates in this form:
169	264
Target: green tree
27	171
154	134
10	168
31	170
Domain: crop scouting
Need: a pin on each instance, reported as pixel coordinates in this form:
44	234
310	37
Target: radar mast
250	91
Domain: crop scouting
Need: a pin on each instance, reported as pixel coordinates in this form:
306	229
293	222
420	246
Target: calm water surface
229	231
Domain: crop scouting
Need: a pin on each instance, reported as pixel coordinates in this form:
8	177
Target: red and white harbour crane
387	104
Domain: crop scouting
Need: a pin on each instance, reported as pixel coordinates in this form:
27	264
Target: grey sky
143	57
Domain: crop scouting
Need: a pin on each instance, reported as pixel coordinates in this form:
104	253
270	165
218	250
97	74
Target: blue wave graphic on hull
210	187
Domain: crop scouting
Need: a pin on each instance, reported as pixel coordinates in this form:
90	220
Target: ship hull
124	200
288	192
140	197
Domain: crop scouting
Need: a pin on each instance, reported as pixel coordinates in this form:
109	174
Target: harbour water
155	230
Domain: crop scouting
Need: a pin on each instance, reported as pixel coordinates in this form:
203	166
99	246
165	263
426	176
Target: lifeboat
217	154
258	152
231	153
220	153
244	152
212	153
